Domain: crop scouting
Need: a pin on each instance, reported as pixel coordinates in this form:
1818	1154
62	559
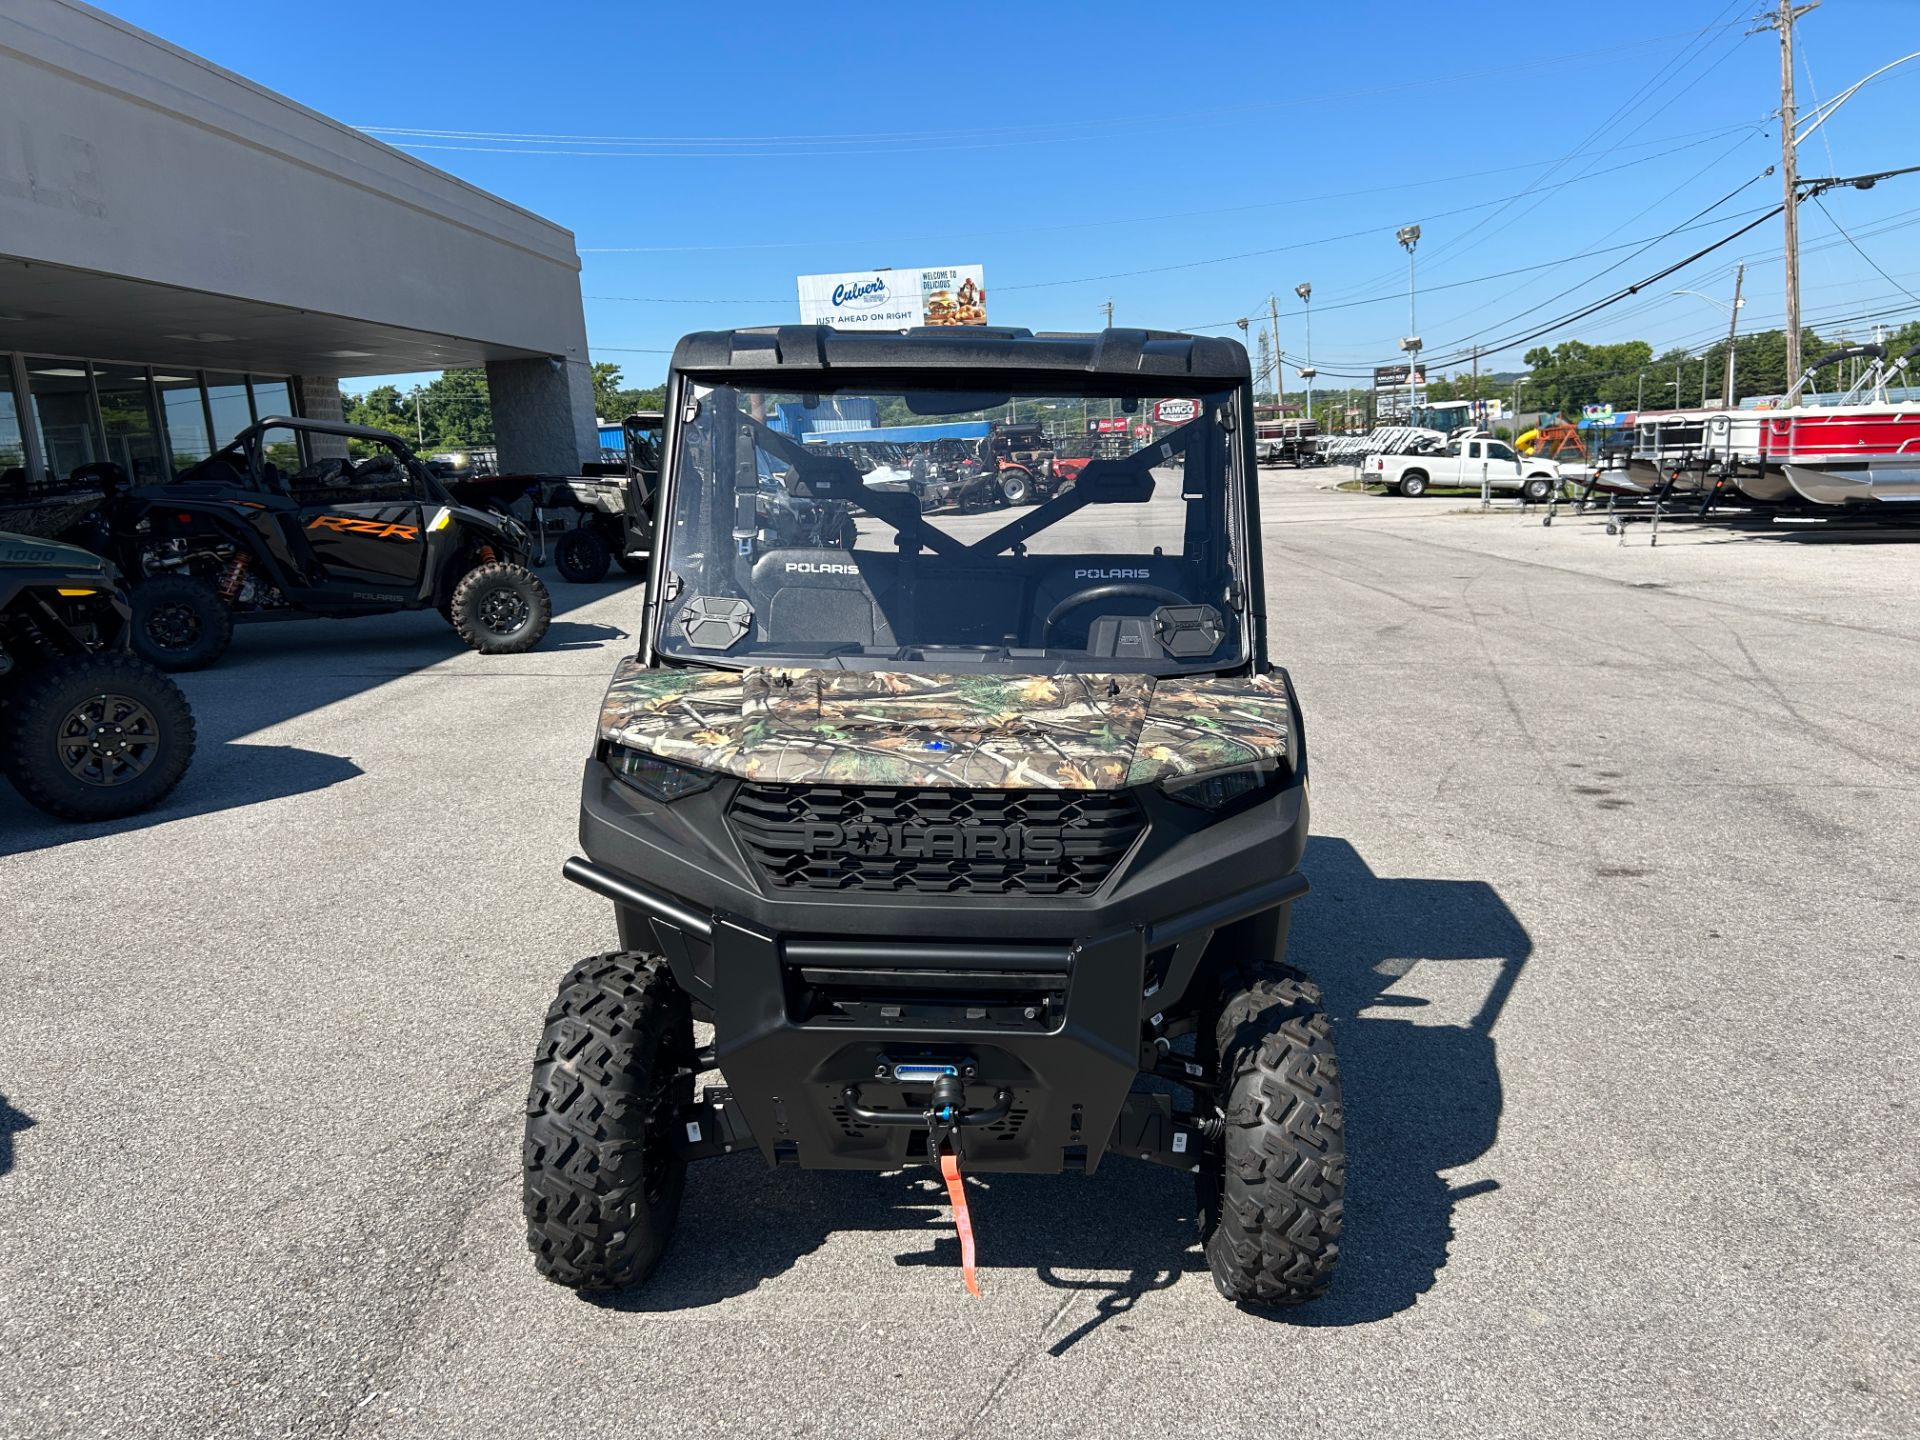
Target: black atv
265	529
87	731
956	835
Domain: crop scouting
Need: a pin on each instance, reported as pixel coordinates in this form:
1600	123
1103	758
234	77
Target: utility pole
1733	329
1409	236
419	430
1783	21
1279	382
1108	307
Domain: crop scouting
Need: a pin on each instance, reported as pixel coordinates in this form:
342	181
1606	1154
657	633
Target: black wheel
602	1173
581	556
95	737
179	623
1413	484
1537	490
1016	487
1271	1186
633	564
501	608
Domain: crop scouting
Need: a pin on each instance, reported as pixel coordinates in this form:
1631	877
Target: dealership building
182	252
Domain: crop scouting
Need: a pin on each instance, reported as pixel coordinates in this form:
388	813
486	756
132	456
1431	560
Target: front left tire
95	737
602	1175
581	556
179	623
500	608
1272	1185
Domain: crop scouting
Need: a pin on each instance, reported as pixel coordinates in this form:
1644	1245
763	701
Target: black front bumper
1051	1031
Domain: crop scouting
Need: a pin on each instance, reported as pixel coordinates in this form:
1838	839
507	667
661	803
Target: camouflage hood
1003	732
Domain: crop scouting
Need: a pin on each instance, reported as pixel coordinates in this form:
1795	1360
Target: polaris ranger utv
87	731
955	834
251	533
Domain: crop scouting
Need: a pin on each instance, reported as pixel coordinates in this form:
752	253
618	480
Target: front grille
934	842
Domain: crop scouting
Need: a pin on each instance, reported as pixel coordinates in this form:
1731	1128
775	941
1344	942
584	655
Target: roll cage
243	463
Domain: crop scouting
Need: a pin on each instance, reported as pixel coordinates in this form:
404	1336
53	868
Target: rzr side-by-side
973	834
87	731
251	533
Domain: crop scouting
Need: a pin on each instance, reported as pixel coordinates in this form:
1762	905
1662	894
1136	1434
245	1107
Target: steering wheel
1119	590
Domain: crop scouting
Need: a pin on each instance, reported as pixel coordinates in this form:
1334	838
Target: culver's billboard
895	299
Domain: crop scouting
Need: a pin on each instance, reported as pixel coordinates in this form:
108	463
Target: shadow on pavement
274	672
12	1122
222	777
1420	1098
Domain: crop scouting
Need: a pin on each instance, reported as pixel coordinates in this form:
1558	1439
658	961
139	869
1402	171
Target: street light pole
1305	291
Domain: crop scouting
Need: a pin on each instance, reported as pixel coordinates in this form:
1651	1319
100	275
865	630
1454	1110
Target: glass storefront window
272	397
126	413
13	445
188	442
63	414
232	411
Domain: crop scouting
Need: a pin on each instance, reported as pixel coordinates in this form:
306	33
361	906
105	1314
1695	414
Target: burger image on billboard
940	309
953	295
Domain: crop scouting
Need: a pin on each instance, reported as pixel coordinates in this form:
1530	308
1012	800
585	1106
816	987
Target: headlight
1223	788
656	778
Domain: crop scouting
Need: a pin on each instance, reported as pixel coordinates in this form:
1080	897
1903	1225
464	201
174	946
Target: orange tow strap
962	1221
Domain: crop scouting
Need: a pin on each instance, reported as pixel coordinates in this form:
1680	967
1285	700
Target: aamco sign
895	299
1176	412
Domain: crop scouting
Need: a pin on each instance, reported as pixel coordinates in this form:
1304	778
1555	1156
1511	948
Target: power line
898	141
1694	139
1861	253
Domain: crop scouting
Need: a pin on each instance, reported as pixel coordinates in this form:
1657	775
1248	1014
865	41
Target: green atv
88	731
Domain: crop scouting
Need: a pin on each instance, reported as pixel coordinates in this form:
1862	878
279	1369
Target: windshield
1444	417
902	529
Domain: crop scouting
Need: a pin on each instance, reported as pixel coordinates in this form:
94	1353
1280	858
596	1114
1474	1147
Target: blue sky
1182	161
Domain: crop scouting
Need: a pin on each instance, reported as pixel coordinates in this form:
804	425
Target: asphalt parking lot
1612	898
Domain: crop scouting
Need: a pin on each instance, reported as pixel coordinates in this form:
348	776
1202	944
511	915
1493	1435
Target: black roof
804	349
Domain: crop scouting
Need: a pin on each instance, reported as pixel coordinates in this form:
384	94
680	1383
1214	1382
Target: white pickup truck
1462	463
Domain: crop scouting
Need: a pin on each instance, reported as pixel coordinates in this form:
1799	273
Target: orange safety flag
962	1221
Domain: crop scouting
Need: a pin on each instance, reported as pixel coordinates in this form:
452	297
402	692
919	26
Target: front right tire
602	1174
1271	1187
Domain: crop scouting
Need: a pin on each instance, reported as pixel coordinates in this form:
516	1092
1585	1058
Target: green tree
613	402
458	412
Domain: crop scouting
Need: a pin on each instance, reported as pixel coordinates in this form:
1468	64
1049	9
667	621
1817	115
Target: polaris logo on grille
936	842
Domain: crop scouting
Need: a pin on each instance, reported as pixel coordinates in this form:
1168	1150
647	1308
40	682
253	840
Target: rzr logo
354	525
943	842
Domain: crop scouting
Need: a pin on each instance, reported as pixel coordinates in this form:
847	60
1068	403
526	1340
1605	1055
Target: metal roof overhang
55	310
